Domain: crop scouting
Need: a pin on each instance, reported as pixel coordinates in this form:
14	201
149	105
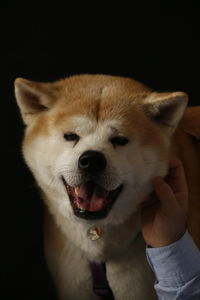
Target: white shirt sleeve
177	270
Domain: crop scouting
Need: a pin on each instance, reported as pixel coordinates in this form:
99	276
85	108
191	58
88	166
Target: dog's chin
91	201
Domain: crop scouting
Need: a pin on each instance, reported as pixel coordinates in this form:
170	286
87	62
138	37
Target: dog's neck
113	240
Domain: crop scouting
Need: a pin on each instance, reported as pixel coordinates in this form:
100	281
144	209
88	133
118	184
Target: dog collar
100	283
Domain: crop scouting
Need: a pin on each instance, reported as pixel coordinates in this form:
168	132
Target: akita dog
94	143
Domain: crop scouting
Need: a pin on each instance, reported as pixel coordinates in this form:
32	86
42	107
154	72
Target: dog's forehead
98	95
99	102
86	113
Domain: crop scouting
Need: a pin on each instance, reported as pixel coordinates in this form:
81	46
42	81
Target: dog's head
94	142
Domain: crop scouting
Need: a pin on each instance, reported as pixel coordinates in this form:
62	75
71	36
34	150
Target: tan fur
149	119
186	147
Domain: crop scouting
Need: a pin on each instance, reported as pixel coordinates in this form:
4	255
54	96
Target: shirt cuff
176	263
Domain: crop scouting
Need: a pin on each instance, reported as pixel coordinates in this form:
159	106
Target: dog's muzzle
89	199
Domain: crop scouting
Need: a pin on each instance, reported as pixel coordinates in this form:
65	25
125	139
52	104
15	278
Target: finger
149	201
165	194
149	207
177	180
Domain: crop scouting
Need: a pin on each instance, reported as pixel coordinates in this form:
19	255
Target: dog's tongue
91	197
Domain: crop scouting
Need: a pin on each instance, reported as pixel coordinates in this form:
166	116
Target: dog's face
95	142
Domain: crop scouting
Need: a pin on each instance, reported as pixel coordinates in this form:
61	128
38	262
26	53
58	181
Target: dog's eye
71	136
119	140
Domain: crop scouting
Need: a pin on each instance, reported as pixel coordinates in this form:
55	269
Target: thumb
165	194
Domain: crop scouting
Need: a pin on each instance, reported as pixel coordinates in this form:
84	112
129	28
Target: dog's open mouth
91	201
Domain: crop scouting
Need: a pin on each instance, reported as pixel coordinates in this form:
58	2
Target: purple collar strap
100	283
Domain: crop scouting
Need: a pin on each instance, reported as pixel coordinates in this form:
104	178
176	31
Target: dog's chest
128	275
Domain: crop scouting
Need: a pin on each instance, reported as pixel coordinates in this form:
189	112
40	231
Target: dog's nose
92	162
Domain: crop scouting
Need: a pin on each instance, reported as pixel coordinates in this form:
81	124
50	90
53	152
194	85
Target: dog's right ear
166	109
33	98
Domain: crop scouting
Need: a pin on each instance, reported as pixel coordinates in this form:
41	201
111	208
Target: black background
156	42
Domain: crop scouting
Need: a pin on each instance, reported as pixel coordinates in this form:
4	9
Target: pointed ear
33	98
166	109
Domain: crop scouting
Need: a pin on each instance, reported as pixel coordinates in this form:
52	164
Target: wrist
159	243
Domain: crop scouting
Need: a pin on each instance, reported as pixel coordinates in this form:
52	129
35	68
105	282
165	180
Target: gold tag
94	233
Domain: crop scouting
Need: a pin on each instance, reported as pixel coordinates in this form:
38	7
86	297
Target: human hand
164	212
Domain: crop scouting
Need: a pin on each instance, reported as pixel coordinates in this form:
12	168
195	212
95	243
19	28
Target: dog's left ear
166	109
33	98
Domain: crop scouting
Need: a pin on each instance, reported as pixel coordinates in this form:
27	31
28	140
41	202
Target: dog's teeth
79	206
76	190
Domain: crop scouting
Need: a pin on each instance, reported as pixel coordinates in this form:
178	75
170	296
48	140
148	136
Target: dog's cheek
153	163
144	163
41	155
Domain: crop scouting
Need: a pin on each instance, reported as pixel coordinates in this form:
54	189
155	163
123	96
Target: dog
94	143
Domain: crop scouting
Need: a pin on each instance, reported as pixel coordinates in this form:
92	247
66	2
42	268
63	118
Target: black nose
92	162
